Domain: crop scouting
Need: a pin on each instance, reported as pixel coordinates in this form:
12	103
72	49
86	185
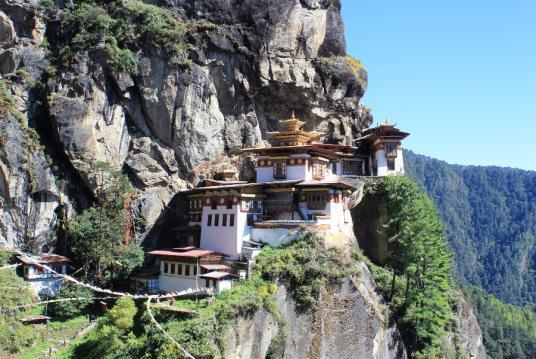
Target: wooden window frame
209	220
280	169
319	170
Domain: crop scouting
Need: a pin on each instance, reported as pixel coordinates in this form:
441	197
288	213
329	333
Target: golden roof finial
293	116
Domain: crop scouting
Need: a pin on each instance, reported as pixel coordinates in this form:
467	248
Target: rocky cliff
170	113
350	322
167	124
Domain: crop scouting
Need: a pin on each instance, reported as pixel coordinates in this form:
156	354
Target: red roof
215	267
337	184
252	184
193	253
44	259
219	275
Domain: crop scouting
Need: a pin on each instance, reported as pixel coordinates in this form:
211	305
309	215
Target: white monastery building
300	183
44	282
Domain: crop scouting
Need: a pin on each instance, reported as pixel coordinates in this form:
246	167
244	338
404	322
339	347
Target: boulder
7	31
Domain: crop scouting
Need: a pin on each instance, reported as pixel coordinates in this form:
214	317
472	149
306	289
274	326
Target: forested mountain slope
490	219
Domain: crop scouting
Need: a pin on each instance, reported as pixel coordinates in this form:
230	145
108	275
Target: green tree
113	337
419	253
97	235
5	256
70	309
15	292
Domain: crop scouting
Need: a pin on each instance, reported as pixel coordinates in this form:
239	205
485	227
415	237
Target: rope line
52	301
148	305
189	291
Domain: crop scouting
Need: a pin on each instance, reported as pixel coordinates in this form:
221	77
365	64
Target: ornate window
317	201
391	149
390	164
280	169
319	170
350	167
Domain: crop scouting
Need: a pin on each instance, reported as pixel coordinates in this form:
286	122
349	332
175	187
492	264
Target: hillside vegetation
490	219
509	332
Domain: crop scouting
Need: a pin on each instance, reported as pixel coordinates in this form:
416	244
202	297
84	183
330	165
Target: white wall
46	287
173	282
265	174
224	239
381	162
169	283
223	285
336	214
399	162
298	172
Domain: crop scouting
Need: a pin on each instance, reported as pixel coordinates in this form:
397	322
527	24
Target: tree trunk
393	282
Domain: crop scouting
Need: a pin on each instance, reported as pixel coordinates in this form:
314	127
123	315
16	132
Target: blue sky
460	75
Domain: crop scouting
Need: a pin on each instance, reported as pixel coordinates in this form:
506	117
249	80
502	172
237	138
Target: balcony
279	205
316	205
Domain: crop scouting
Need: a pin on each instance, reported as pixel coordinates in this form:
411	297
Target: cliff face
350	322
170	125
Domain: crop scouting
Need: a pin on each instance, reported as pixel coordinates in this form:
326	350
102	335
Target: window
172	268
224	220
231	220
194	270
179	269
390	164
350	168
280	169
334	167
317	201
152	285
165	268
319	170
216	220
390	149
209	220
187	270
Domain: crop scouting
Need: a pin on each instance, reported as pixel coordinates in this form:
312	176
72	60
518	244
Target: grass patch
124	28
306	267
53	333
202	334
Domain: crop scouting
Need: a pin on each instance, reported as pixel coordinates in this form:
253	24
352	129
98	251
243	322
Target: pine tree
419	253
97	235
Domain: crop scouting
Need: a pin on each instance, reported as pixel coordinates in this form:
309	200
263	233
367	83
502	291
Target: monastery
300	183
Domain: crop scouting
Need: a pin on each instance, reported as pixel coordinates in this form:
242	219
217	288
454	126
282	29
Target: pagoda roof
384	130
